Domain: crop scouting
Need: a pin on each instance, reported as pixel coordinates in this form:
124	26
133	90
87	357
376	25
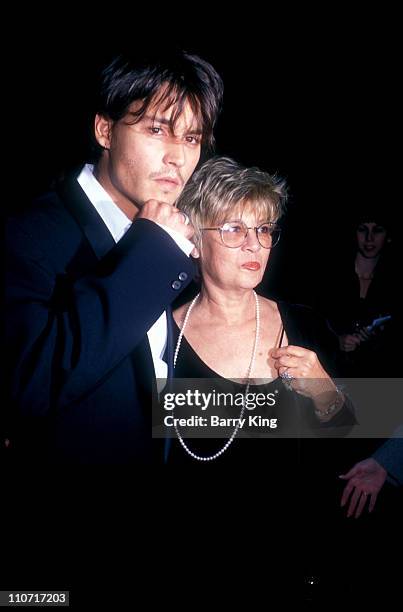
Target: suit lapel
80	207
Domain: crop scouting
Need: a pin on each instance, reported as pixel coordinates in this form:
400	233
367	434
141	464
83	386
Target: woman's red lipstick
251	265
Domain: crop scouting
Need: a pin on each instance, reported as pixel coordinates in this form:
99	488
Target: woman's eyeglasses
234	234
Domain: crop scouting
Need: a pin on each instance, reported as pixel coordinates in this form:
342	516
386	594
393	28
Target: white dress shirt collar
110	213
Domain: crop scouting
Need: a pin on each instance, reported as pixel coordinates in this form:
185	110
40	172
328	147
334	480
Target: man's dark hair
170	80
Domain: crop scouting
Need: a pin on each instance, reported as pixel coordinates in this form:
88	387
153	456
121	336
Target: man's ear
103	130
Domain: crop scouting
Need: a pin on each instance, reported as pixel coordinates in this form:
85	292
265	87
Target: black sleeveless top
268	494
291	410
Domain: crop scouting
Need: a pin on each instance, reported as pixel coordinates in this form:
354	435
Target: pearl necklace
252	363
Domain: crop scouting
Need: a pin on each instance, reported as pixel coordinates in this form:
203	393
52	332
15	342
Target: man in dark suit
93	265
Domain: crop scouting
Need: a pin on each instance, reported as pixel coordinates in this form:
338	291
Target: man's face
145	159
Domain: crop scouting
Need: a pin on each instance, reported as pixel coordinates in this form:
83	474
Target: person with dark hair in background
93	266
359	299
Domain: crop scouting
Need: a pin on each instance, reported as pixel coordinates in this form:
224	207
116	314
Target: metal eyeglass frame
220	228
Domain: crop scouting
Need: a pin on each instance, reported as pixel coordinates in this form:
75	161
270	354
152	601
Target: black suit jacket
79	365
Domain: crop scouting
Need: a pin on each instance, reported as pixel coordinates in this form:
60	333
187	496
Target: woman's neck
365	266
226	306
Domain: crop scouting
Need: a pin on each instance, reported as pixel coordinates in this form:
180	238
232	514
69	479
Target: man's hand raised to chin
168	215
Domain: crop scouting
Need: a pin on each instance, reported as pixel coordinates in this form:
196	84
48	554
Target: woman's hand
349	342
303	371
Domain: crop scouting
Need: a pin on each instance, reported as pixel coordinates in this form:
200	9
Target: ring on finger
286	375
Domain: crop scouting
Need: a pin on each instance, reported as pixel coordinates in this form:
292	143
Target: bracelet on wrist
334	406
